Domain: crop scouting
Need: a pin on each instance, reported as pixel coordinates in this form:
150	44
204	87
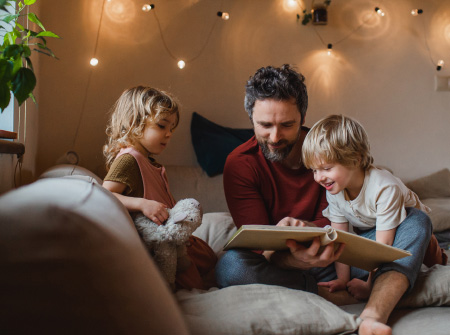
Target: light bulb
379	11
440	65
94	61
330	49
223	15
181	64
147	7
416	12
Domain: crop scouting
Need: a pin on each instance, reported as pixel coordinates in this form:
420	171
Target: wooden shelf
13	148
8	134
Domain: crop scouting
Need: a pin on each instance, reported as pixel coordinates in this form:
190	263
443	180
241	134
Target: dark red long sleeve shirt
262	192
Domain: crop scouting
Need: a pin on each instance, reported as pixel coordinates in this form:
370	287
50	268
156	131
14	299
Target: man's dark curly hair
278	83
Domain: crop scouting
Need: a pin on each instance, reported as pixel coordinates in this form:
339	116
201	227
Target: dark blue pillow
212	143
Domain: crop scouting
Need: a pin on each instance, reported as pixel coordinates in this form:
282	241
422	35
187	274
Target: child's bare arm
154	210
386	236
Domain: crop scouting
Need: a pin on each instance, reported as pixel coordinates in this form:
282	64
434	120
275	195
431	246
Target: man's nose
275	135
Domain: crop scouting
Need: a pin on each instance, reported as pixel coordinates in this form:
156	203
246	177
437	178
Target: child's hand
334	285
155	211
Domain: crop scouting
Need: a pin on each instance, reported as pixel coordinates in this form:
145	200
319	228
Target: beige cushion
64	170
435	185
216	229
71	262
193	182
262	309
432	288
440	213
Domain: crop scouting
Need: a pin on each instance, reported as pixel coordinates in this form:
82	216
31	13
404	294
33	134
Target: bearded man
266	183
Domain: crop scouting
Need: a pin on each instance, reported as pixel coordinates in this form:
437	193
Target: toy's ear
178	217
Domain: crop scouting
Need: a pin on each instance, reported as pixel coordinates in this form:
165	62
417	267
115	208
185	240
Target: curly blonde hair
337	139
129	115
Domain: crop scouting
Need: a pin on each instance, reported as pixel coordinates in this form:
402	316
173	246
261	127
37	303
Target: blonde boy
374	202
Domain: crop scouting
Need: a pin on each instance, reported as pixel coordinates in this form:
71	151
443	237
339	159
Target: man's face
277	127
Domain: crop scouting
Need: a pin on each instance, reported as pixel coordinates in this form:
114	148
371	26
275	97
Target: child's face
156	136
336	177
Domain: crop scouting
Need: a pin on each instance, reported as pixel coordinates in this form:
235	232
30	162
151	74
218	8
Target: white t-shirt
380	203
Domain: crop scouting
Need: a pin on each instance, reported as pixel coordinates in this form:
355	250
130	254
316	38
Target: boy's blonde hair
337	139
129	116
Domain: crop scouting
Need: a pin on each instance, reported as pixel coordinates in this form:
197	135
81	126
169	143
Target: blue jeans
241	267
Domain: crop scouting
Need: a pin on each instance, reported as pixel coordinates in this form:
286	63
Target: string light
440	64
94	61
223	15
416	12
379	11
147	7
181	64
330	48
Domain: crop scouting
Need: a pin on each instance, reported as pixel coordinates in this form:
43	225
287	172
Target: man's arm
244	200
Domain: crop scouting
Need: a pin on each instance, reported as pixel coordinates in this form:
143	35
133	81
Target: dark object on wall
212	143
320	15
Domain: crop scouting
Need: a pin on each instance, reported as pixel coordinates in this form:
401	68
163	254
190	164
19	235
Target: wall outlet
442	83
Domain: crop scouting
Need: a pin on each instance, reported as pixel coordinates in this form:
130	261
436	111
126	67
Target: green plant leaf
3	4
12	51
29	2
6	68
23	84
9	18
306	19
47	34
26	51
5	96
33	18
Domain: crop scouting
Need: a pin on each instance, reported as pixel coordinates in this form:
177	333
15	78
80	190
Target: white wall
380	74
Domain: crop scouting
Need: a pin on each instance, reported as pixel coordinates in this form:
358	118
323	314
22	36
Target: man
265	182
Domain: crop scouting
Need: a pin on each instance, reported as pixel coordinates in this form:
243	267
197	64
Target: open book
359	251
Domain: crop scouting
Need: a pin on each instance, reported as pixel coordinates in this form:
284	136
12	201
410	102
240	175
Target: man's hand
287	221
307	258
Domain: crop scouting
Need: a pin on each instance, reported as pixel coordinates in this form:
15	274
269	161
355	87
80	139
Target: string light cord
201	49
18	165
83	105
426	42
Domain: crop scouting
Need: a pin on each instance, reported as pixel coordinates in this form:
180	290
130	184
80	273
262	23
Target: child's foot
359	289
373	327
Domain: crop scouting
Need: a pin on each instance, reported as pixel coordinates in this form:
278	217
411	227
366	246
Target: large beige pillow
216	229
262	309
432	288
71	262
435	185
440	213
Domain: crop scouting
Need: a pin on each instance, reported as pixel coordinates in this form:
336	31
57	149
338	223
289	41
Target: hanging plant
318	13
16	70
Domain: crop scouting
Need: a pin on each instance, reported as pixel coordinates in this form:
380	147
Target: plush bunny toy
167	242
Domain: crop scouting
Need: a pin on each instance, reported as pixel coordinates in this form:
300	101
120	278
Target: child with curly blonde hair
141	125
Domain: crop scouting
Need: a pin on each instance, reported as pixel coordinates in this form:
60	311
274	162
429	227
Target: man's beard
278	155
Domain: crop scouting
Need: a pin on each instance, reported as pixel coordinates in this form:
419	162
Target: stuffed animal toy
167	242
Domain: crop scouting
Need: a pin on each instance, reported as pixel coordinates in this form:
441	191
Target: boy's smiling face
336	177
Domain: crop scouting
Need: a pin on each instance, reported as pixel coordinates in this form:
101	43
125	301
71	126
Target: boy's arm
386	236
154	210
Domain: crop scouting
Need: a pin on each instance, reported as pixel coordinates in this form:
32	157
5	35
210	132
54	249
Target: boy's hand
334	285
155	211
